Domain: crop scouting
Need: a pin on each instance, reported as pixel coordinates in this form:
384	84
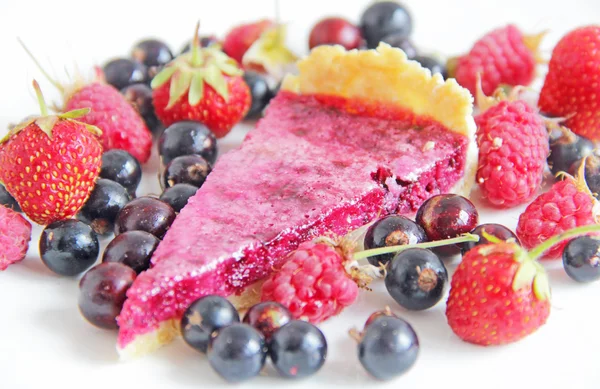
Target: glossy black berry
238	352
432	64
133	249
104	204
384	312
178	195
402	42
566	150
581	259
102	292
69	247
260	92
123	72
416	279
121	167
152	52
497	230
186	169
203	317
385	18
298	349
140	98
447	216
267	317
388	348
145	214
392	230
186	138
7	200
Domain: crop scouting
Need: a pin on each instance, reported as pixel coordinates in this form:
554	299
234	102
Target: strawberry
50	163
122	126
499	293
240	38
572	85
504	56
204	85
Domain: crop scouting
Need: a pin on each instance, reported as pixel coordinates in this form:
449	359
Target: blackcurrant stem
40	98
537	251
394	249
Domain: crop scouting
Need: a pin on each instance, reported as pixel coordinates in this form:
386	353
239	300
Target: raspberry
513	147
15	234
502	56
122	127
566	205
312	284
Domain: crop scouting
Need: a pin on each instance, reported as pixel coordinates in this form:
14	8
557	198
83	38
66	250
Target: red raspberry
513	147
502	56
122	127
312	284
15	234
566	205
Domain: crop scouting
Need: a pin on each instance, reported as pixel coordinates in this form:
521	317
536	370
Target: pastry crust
384	75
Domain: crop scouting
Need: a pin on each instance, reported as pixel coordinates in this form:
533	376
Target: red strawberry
204	85
15	234
500	294
122	126
502	56
569	203
240	38
49	164
513	149
572	85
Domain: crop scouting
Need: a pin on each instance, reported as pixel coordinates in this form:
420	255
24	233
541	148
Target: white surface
45	343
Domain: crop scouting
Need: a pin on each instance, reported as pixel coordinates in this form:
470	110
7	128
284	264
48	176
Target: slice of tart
355	135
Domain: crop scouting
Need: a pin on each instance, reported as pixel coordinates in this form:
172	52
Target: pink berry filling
308	169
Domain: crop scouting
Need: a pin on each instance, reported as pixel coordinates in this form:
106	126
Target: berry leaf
162	77
47	123
179	85
525	275
196	88
76	113
215	78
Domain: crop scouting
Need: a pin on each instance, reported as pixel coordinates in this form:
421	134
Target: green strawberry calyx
531	273
46	122
188	73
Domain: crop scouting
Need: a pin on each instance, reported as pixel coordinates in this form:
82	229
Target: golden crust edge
385	75
169	330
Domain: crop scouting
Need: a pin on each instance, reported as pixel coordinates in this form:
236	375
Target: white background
45	343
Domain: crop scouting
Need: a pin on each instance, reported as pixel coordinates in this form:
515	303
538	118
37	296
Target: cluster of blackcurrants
383	21
387	346
133	75
417	278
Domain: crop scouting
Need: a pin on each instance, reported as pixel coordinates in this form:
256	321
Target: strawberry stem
56	84
394	249
537	251
196	54
40	98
